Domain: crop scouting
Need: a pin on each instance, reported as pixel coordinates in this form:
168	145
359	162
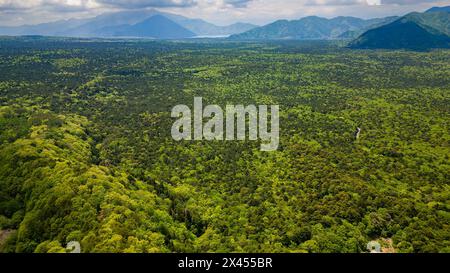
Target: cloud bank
16	12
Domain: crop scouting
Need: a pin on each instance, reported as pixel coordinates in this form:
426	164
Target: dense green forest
86	153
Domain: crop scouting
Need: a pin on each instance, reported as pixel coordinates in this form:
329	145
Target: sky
220	12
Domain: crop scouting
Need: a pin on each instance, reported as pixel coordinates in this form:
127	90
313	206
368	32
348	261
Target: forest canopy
87	155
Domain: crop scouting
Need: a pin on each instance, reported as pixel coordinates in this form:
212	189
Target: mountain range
312	28
430	29
104	26
417	31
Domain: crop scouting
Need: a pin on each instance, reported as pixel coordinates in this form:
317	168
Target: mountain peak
157	26
157	17
417	31
439	9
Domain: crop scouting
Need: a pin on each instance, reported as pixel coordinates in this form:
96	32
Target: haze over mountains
103	26
166	29
430	29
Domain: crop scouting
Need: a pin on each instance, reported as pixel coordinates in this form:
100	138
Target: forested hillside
312	28
87	155
417	31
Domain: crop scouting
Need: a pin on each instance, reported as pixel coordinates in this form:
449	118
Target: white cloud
218	11
374	2
334	2
406	2
57	5
237	3
133	4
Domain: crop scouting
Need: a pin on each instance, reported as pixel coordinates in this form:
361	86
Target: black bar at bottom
222	262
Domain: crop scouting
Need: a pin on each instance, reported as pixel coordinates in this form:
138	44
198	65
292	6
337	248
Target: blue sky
18	12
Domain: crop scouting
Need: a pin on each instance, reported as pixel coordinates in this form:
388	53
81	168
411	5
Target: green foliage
87	155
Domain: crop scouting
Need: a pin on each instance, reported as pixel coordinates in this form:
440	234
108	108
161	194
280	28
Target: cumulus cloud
237	3
54	5
15	5
405	2
132	4
334	2
16	12
365	2
77	5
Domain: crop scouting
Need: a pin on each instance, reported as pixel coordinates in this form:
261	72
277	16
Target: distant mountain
203	28
96	26
416	31
48	29
311	27
439	9
93	27
158	27
372	23
237	28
